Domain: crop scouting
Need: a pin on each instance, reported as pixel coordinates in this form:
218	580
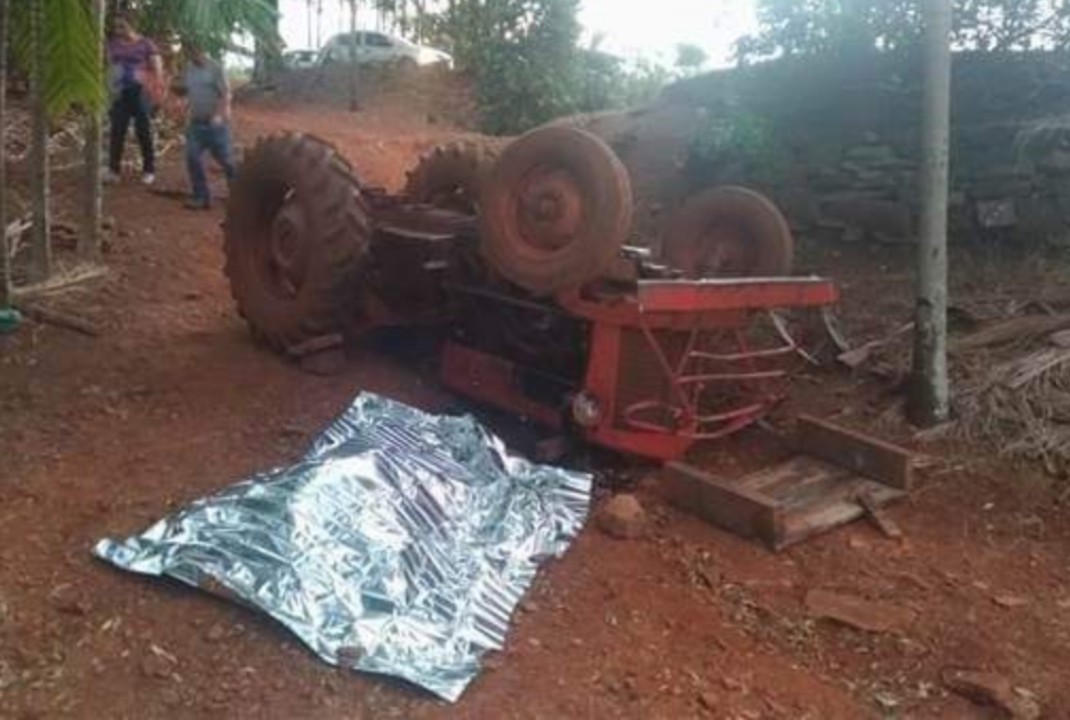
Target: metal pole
929	401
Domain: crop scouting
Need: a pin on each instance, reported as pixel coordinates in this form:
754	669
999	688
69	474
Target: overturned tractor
520	253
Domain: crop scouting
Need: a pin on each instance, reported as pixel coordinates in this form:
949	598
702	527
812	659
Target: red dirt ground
101	436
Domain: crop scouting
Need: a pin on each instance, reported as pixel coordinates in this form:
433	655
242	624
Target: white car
376	47
299	59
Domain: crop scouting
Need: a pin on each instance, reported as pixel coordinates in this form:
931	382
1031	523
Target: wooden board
866	456
842	475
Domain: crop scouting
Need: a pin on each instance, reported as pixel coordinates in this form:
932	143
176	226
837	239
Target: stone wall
847	136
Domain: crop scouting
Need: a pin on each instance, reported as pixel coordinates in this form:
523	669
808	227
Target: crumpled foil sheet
400	544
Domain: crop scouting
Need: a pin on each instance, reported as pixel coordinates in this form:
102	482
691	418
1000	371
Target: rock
622	517
67	599
1010	601
324	363
155	666
171	697
986	688
215	633
858	613
709	700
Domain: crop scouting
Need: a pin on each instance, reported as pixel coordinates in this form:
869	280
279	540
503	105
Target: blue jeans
202	135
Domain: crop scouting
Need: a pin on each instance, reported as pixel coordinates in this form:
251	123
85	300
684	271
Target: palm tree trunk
5	257
930	393
41	255
89	247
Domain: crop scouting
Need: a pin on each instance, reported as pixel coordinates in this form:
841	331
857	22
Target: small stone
67	599
859	543
986	688
155	666
709	700
171	697
215	633
623	517
1010	601
858	613
912	648
324	363
529	606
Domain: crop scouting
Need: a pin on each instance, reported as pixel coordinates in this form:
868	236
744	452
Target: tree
6	314
213	24
41	244
929	397
795	27
523	54
89	243
690	58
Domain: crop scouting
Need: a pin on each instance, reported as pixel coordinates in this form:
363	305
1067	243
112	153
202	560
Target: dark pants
131	103
201	136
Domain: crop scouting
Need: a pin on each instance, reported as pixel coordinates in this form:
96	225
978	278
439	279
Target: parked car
298	59
376	47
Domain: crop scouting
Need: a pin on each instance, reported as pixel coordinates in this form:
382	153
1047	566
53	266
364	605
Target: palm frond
74	66
210	23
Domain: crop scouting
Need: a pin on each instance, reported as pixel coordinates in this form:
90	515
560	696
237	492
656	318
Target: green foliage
798	27
690	58
74	68
212	24
732	140
607	82
528	67
523	56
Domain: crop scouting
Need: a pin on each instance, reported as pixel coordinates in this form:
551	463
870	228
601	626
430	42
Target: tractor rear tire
296	238
556	210
451	176
728	232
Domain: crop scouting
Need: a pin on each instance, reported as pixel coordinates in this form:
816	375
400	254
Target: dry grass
1010	382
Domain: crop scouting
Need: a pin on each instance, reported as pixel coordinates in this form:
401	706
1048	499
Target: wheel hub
551	210
720	251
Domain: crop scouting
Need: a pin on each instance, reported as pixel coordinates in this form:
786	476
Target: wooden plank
728	505
838	507
879	517
864	455
796	478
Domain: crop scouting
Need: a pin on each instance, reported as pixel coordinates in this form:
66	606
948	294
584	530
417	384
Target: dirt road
101	436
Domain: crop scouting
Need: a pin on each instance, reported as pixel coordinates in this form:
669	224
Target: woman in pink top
135	69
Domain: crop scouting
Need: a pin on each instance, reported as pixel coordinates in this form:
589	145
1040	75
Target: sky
650	30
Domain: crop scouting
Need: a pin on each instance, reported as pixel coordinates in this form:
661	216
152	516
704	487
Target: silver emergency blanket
400	544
